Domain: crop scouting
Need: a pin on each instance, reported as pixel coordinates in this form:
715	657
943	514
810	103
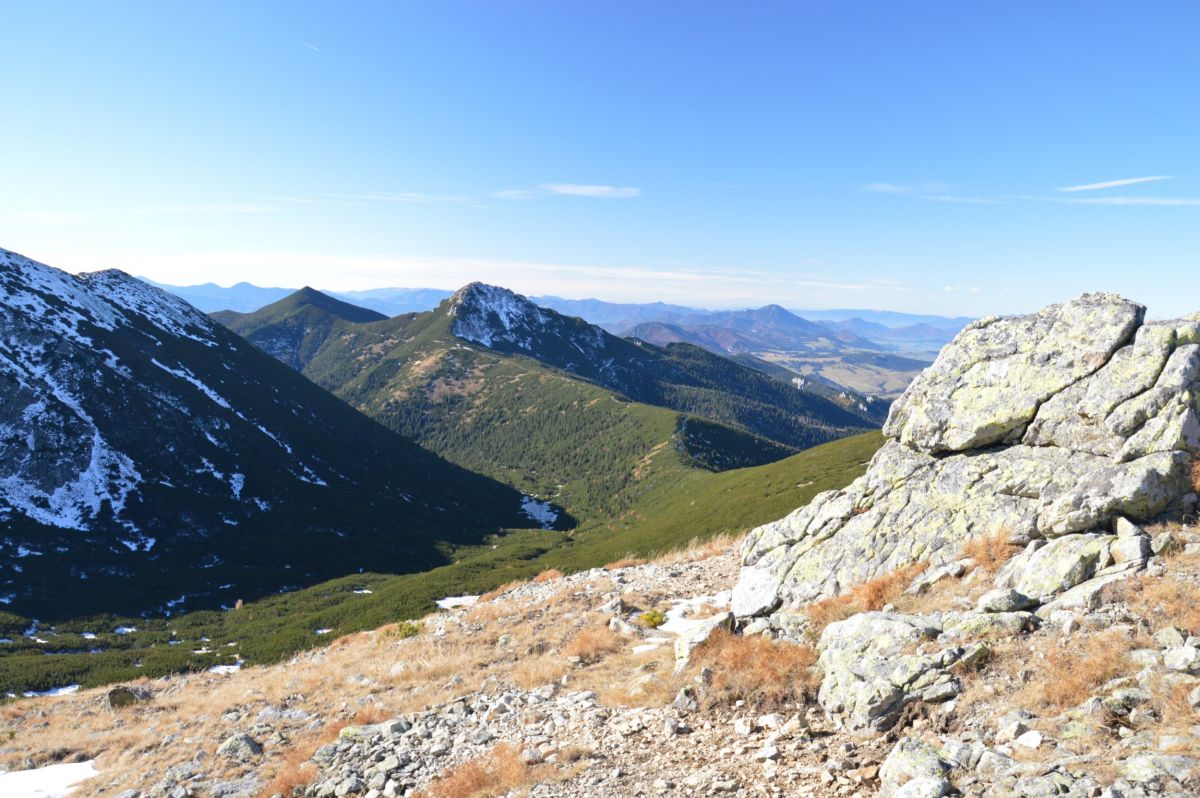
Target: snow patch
450	602
53	691
187	376
52	781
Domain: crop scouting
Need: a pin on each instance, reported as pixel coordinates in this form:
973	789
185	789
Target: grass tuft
1073	670
757	670
496	593
1166	601
991	551
593	644
496	773
624	562
867	596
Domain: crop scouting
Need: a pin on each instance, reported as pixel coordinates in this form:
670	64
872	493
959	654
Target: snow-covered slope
148	450
505	321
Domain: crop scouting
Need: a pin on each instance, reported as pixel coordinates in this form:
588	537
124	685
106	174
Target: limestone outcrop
1052	428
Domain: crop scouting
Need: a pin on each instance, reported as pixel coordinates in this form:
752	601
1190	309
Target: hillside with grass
552	405
675	509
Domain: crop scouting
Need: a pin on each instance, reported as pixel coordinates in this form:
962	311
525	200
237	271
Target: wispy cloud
414	197
312	47
200	209
368	197
601	192
940	192
931	192
515	194
970	289
108	215
1128	181
569	190
1161	202
889	188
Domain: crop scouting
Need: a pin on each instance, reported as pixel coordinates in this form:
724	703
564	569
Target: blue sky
910	156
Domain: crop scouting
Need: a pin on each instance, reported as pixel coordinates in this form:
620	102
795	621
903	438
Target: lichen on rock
1041	426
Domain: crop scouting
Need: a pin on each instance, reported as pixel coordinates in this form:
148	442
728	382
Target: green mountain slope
159	462
294	328
677	508
543	401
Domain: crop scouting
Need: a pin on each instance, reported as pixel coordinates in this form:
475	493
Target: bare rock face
1044	426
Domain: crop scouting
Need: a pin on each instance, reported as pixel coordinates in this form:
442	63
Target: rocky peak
486	314
1056	423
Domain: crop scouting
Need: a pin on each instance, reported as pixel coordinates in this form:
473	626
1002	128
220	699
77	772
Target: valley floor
559	687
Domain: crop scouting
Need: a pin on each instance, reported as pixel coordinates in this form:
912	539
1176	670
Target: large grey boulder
1042	426
912	759
868	679
990	382
240	747
1043	571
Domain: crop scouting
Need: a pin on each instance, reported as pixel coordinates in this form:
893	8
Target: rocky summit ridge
1006	604
1053	424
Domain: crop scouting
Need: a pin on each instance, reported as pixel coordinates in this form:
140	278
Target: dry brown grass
757	670
497	772
365	678
625	562
1068	672
1196	474
1175	711
991	551
574	753
371	715
627	679
548	575
534	672
507	587
1166	600
593	644
701	549
867	596
488	611
293	774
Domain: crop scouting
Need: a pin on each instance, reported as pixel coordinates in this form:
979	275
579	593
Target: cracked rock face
867	683
1046	425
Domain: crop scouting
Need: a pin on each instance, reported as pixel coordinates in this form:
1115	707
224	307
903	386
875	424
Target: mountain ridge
194	437
540	400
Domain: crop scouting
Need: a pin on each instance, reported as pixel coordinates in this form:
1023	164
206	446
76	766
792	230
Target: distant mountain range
889	328
749	331
150	459
820	347
246	298
547	402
